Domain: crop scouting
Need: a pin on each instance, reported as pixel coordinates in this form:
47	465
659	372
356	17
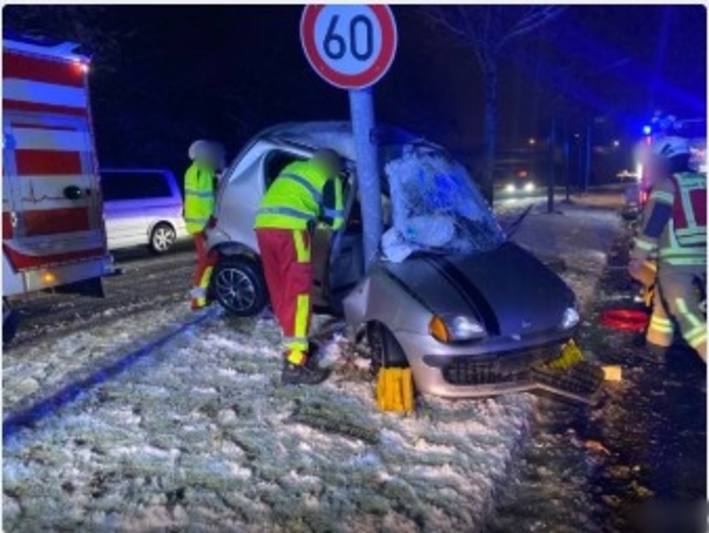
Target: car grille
506	367
581	380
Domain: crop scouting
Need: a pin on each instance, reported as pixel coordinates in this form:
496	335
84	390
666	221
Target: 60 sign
350	46
336	46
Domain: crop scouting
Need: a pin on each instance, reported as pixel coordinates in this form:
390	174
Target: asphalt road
146	281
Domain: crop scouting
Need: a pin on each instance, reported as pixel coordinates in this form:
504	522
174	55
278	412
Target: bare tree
487	30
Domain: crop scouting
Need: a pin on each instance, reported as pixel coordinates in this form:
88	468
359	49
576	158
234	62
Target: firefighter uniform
660	331
199	206
674	228
304	193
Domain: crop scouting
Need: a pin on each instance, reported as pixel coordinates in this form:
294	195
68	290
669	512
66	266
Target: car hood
507	289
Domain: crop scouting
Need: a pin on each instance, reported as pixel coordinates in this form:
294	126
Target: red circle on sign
368	77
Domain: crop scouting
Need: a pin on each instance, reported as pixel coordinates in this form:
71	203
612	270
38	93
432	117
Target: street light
616	143
532	141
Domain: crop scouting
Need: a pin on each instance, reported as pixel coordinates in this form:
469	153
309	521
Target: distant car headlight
529	187
455	328
510	187
570	319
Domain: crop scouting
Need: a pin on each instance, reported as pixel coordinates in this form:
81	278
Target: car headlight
455	328
570	318
529	187
510	187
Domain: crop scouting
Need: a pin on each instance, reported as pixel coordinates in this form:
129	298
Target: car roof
337	135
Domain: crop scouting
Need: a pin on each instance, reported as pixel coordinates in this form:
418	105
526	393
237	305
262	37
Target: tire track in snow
33	409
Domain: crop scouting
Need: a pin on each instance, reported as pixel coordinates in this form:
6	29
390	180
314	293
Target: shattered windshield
436	208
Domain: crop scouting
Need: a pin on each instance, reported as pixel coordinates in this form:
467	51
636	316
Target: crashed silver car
472	313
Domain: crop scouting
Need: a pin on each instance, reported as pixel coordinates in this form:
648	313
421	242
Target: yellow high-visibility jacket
303	192
199	196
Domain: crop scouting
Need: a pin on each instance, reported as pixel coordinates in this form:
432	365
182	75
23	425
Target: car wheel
386	350
162	238
238	285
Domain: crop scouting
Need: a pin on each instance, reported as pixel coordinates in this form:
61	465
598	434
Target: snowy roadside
200	435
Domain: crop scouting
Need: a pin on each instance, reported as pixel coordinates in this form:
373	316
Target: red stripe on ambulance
42	127
22	261
6	225
21	105
44	70
51	221
47	162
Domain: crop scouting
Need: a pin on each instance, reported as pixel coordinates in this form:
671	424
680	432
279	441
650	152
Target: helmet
199	149
670	146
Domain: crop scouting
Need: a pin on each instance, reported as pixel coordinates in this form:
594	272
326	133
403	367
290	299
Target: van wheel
386	350
238	285
162	238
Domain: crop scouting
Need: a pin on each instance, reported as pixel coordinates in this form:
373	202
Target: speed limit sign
350	46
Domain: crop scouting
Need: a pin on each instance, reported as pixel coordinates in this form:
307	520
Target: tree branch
534	20
437	16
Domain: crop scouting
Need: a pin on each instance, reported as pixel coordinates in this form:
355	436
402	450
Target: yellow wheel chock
395	390
570	356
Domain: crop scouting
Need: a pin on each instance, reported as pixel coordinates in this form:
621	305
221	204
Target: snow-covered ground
198	433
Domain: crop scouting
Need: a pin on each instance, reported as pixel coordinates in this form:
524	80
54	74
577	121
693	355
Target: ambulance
53	234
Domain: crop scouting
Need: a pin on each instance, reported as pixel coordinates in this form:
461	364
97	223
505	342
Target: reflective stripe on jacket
303	192
674	222
199	196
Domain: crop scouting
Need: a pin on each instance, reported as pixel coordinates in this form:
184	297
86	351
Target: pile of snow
435	207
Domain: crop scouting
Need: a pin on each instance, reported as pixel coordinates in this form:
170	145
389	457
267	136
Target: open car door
346	258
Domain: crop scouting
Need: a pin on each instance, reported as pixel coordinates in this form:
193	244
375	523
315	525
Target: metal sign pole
362	113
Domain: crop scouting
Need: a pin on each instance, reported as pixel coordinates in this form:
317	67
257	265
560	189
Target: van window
134	185
275	162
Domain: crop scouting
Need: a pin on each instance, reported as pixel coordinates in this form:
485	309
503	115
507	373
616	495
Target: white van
142	206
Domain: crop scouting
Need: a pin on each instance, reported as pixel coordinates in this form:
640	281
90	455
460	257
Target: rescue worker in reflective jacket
304	194
674	231
200	178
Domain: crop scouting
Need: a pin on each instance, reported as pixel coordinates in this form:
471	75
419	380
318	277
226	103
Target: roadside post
352	47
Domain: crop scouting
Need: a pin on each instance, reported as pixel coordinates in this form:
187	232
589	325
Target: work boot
307	374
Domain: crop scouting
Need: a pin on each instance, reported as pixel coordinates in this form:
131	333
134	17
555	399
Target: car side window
274	162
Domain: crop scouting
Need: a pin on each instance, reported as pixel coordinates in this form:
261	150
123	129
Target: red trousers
285	255
206	260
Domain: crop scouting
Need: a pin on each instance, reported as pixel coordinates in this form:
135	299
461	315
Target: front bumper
498	366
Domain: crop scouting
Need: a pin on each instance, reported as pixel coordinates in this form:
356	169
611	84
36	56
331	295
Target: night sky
164	75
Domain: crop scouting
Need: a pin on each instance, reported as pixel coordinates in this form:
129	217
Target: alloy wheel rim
235	289
163	239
